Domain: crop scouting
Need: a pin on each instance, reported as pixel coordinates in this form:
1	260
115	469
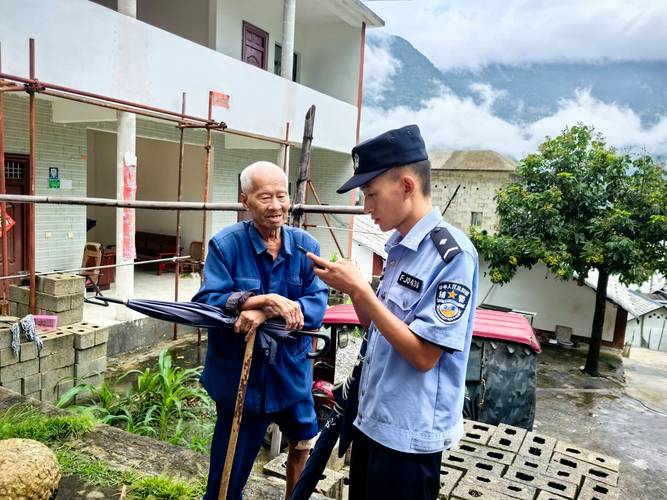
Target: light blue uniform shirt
399	406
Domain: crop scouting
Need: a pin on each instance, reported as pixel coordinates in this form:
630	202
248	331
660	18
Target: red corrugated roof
511	327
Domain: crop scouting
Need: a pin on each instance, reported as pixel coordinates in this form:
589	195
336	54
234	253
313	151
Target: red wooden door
255	45
16	171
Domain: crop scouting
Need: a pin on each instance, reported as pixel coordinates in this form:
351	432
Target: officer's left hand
343	275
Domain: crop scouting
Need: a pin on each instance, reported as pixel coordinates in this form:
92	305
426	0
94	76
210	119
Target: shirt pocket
294	285
401	302
247	285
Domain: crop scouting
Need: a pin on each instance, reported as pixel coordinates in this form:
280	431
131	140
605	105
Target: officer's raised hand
342	275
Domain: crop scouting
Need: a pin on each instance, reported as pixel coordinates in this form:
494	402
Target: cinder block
56	303
587	469
60	284
17	371
19	294
504	486
57	341
90	368
101	336
507	437
335	462
547	495
589	456
84	337
86	355
537	446
5	337
28	351
49	395
94	380
63	387
58	359
472	492
471	463
563	472
481	451
530	464
13	308
449	478
7	357
7	321
67	317
594	490
12	385
542	482
52	378
35	395
477	432
31	384
329	485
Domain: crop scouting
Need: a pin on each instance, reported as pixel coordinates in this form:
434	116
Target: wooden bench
152	246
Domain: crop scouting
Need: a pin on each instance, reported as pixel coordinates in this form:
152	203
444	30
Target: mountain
527	92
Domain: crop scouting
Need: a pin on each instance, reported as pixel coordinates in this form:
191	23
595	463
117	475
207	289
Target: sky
469	34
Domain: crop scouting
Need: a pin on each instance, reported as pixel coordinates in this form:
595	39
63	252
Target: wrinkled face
384	200
268	202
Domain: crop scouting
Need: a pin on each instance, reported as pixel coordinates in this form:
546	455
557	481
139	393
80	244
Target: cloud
473	33
451	122
379	67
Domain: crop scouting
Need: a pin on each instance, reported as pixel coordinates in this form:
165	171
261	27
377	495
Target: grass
26	422
166	403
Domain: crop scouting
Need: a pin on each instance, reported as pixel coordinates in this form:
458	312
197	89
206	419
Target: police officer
254	271
419	324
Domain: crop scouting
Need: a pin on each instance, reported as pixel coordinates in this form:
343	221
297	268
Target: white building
174	47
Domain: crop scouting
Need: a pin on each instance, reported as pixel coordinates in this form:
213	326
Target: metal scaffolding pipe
4	307
179	198
31	186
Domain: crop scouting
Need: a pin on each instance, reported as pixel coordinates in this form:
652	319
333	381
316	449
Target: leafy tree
578	205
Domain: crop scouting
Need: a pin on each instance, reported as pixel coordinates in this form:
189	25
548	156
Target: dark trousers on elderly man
380	473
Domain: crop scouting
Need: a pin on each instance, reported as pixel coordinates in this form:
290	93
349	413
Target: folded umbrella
206	316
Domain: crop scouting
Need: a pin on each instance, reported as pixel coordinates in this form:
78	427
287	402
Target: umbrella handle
318	335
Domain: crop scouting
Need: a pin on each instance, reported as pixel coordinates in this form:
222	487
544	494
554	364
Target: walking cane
236	422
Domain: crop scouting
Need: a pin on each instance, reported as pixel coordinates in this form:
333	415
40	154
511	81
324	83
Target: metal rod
286	151
12	88
360	85
77	269
4	307
170	205
452	198
176	116
326	219
31	186
179	195
304	160
253	136
238	414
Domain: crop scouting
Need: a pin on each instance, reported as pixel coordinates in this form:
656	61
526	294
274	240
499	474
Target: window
255	45
476	219
278	63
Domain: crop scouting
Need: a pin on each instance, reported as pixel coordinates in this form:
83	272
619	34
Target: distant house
648	325
467	181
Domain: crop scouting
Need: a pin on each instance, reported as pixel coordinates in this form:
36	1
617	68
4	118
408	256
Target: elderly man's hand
290	310
249	321
343	275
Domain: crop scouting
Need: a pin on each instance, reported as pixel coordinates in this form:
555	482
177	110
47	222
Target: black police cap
375	156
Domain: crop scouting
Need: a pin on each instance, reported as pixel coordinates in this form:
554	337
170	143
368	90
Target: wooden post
304	160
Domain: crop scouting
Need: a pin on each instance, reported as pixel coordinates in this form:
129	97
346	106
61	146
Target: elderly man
253	270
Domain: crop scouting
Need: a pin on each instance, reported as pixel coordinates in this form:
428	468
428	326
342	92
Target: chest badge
451	301
410	282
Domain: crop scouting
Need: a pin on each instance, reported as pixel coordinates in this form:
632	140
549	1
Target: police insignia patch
451	300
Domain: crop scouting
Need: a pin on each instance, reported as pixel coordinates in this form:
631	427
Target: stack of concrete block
337	297
71	354
58	295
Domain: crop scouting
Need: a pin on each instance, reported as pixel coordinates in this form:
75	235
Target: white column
126	157
289	13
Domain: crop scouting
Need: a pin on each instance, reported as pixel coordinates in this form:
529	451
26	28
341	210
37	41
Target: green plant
166	403
165	488
26	422
97	472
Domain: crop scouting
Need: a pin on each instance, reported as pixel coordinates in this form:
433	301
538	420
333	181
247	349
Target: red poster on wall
219	99
9	223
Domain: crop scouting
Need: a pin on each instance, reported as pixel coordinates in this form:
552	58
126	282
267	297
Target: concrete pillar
126	158
289	14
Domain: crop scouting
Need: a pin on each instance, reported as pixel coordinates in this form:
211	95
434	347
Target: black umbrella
206	316
339	424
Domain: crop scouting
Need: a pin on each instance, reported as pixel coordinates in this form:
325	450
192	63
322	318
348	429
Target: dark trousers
378	472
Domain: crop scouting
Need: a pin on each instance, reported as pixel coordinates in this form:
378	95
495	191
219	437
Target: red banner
9	223
219	99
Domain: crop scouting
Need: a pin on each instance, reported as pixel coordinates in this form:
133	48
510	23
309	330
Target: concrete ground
147	285
622	414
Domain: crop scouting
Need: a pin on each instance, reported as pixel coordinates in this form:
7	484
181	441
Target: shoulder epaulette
445	243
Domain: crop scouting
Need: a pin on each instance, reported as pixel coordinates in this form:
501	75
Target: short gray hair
250	170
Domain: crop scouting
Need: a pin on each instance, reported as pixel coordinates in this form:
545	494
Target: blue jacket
237	260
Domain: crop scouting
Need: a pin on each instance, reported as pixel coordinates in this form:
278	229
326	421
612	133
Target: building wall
476	194
649	330
60	230
364	259
556	302
191	23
